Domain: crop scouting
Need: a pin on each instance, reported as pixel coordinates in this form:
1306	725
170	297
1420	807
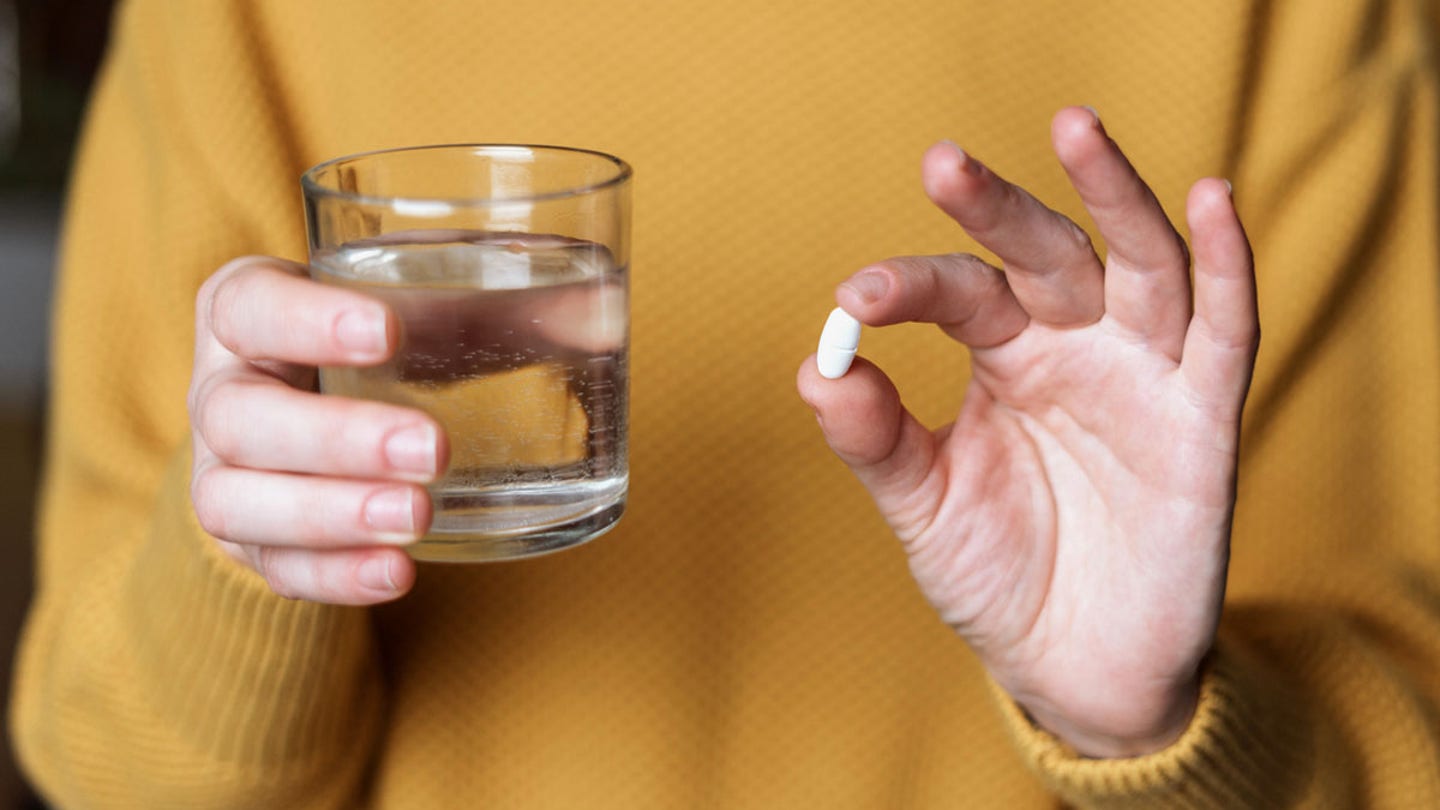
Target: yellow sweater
749	636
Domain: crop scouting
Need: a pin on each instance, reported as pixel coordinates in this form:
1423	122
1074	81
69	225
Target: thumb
885	446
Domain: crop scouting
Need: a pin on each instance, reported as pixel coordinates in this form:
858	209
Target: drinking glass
508	269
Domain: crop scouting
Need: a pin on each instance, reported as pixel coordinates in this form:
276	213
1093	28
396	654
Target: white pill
838	342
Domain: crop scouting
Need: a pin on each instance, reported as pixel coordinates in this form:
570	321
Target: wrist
1145	725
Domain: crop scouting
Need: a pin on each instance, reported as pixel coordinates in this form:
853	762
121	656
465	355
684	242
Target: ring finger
250	506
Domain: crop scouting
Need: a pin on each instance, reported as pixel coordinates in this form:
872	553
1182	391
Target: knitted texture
749	635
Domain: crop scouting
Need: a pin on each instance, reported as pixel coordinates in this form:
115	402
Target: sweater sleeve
1323	689
1313	706
153	671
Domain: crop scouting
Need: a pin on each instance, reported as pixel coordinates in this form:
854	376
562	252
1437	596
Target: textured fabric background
749	635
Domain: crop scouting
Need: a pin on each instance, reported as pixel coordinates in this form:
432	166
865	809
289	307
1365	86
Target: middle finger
252	420
1147	286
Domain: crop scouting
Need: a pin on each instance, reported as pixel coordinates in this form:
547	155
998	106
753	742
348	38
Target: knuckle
208	500
205	296
197	403
227	304
222	281
236	552
944	265
960	259
193	399
928	276
1077	236
214	418
920	268
359	433
226	298
271	566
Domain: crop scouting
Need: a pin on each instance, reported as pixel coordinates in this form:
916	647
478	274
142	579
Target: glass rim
311	186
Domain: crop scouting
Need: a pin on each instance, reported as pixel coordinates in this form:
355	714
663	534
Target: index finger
1049	262
262	308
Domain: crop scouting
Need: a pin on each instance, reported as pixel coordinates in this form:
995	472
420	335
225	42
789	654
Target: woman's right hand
316	493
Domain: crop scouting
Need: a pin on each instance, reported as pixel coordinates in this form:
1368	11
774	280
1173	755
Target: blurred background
49	51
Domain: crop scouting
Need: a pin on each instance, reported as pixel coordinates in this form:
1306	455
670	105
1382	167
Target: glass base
466	548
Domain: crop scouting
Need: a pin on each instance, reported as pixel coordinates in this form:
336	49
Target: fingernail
1229	189
870	285
412	449
374	574
1093	113
362	331
390	513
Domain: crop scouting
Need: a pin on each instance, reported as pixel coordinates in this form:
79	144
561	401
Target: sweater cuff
244	675
1248	745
